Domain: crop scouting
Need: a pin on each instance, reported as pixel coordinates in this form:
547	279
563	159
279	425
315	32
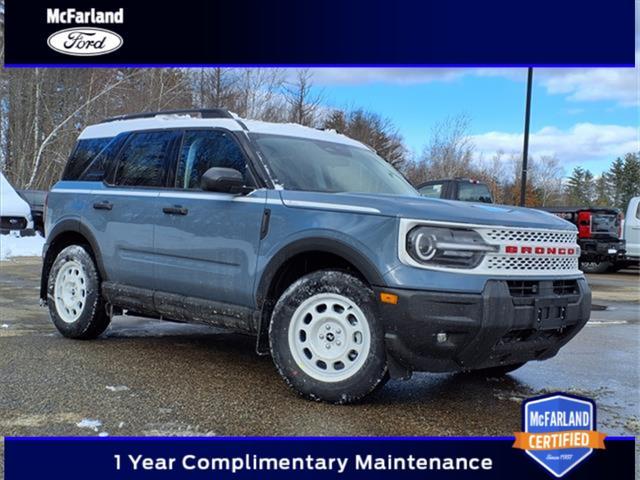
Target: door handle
175	210
105	205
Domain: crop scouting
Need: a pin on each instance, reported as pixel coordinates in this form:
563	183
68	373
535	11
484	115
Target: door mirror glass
226	180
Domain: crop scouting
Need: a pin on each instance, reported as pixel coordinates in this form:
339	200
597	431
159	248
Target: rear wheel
326	340
73	289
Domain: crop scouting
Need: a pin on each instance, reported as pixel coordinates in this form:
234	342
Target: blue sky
582	116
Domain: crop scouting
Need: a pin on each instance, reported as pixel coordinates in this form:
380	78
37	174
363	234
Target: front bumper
509	322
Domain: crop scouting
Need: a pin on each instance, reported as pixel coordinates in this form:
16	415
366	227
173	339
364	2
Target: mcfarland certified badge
559	431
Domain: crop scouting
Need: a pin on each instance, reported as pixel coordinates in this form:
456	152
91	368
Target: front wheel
73	288
326	340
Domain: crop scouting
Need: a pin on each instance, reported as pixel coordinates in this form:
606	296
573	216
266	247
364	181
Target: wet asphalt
145	377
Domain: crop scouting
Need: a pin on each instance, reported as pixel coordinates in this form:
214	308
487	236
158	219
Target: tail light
620	219
584	224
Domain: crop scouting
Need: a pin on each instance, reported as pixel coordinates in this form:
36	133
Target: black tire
92	317
499	371
595	267
616	267
370	375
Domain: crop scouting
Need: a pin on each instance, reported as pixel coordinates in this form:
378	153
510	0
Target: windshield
474	192
314	165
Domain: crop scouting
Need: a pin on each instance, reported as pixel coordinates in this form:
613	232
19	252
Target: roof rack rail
204	113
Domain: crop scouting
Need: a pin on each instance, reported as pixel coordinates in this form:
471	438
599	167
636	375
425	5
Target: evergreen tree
580	188
602	191
630	185
616	179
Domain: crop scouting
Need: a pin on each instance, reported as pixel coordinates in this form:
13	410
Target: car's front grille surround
525	260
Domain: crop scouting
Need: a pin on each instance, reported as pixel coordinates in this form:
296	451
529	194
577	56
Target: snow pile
12	204
14	246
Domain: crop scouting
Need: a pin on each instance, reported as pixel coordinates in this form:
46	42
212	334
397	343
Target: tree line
43	111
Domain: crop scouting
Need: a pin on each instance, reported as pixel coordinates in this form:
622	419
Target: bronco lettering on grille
525	249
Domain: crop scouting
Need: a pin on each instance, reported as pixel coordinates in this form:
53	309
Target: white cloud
621	85
582	142
394	76
618	84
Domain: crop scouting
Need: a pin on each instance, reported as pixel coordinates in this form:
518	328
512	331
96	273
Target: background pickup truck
599	236
36	200
465	189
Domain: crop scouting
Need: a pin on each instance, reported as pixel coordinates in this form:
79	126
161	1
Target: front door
206	243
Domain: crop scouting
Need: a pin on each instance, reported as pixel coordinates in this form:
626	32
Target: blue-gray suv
309	241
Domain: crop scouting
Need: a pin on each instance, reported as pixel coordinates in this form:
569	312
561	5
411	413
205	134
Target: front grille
565	287
541	236
13	223
499	263
533	288
523	288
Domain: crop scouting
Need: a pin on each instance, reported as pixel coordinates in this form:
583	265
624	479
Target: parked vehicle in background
37	200
599	236
632	232
464	189
311	242
15	214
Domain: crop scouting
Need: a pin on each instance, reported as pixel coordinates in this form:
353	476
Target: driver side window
204	149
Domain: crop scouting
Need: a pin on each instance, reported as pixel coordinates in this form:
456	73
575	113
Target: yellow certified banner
559	440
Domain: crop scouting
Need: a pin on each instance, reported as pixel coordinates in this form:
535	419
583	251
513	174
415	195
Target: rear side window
205	149
432	191
144	159
97	168
85	151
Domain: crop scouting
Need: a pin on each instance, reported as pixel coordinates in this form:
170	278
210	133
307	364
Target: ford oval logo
85	41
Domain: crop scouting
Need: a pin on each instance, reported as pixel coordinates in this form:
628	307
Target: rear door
207	243
126	209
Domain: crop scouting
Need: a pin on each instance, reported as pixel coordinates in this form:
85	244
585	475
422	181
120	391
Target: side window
432	191
84	152
638	212
204	149
96	169
144	158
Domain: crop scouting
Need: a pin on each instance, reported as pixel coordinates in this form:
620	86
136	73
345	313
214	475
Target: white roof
113	128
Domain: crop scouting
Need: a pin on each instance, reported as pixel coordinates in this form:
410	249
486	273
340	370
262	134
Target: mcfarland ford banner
331	32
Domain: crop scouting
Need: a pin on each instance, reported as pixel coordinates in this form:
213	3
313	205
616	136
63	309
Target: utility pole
525	149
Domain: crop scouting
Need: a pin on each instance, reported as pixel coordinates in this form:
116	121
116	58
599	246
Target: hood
422	208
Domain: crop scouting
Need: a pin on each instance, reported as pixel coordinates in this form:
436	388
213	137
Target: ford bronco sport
309	241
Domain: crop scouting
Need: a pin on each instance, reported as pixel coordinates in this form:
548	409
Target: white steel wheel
329	337
70	291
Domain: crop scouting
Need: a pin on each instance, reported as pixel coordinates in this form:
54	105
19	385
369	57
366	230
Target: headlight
446	247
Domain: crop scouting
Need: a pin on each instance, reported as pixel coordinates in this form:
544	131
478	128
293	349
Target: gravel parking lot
147	377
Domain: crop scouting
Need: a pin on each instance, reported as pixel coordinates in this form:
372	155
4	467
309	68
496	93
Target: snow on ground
14	246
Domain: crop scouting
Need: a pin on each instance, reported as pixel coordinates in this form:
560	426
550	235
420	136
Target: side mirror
226	180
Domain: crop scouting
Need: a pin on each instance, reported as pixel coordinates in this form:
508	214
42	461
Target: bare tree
449	151
546	177
302	101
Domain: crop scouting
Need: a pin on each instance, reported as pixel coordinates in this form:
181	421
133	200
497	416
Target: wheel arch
299	258
68	232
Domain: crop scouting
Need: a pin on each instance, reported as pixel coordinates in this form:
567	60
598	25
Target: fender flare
65	226
316	244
